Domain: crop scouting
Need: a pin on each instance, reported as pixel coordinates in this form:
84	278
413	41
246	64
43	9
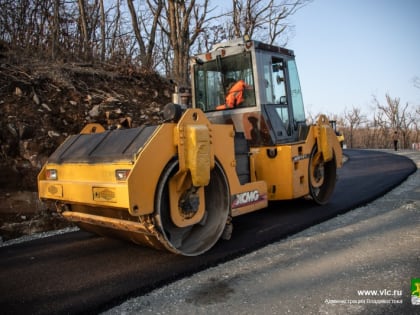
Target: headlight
122	174
51	174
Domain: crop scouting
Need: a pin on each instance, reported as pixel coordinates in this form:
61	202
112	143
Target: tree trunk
103	34
136	29
83	26
55	30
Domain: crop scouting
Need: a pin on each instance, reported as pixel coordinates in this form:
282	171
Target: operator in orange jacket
235	96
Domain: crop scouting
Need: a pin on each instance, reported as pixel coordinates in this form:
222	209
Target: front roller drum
111	223
200	237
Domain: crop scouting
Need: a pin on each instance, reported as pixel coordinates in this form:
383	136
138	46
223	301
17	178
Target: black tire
322	177
199	238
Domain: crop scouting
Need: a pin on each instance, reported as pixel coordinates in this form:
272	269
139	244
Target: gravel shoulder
322	270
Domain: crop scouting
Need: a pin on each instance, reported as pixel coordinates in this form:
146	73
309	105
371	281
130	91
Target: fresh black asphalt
77	272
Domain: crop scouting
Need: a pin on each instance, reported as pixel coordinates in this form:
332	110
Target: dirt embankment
41	103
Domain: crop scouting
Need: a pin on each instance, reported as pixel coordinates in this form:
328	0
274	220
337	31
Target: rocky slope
41	103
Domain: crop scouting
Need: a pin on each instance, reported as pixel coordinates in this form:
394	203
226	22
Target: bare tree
146	49
83	27
55	29
114	28
354	118
396	117
267	18
391	111
185	21
103	29
416	125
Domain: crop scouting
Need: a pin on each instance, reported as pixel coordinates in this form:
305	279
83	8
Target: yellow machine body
89	193
177	185
285	168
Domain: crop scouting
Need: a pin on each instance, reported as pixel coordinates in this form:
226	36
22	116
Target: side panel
284	168
244	198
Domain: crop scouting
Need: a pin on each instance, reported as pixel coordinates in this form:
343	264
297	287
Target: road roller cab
178	185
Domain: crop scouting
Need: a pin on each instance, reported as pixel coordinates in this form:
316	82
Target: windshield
224	83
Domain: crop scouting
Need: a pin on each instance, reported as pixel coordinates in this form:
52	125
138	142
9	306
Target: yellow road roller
236	142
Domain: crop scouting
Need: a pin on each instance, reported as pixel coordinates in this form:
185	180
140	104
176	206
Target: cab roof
248	44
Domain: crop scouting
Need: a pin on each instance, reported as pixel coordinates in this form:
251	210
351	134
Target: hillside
41	103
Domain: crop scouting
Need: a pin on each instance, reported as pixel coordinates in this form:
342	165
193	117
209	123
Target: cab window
275	88
225	83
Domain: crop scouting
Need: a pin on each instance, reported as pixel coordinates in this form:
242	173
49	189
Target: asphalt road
81	273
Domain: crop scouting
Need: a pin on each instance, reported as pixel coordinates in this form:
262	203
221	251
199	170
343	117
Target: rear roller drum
198	238
322	177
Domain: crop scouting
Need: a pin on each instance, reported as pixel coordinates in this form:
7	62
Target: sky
349	51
